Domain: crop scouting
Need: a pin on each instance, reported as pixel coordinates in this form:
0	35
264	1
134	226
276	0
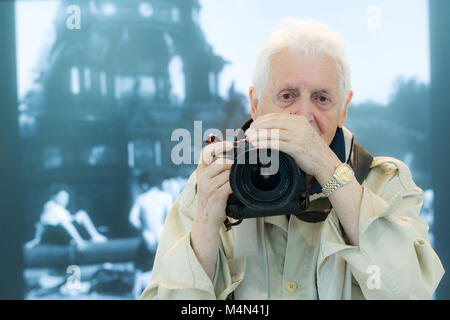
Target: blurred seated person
147	215
57	226
174	186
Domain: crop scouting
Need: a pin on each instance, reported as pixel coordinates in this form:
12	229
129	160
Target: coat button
291	286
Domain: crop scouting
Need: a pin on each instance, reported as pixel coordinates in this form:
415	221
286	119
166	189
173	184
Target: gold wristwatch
343	174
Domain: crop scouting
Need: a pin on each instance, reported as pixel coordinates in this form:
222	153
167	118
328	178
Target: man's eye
287	96
321	99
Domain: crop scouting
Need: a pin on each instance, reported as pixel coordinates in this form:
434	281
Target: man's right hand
213	186
213	189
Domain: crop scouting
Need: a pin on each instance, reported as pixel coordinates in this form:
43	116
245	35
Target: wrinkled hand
213	187
296	137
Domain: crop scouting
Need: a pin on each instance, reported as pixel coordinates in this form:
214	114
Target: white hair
307	37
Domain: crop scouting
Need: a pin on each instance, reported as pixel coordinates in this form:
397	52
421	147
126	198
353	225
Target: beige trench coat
277	258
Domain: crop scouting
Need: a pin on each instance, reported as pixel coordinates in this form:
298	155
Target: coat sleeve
394	259
177	273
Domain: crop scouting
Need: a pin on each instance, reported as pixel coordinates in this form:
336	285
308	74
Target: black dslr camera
265	182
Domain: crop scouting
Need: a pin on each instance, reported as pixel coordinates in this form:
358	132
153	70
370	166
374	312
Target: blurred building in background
102	111
105	106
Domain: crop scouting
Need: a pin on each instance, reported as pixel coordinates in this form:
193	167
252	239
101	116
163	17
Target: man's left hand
298	139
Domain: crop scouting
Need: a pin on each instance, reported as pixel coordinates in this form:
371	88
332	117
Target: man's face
307	86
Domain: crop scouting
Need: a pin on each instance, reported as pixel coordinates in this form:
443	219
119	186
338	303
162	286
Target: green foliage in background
400	129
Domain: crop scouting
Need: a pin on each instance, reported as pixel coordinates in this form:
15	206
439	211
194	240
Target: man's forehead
296	71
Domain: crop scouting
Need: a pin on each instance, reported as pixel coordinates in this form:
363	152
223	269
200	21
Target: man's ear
253	102
343	118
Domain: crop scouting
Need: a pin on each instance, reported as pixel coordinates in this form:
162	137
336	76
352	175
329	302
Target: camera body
265	182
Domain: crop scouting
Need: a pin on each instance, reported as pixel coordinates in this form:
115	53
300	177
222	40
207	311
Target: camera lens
263	187
255	183
264	182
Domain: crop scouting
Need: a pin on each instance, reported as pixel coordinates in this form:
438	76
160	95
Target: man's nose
302	108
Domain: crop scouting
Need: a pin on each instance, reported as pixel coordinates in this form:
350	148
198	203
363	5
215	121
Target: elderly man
372	245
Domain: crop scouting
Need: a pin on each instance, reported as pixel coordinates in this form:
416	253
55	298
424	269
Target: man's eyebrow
289	88
297	90
325	91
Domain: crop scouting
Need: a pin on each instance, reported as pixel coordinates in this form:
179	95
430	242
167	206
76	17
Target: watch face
345	173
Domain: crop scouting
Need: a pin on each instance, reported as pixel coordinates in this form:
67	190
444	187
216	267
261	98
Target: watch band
331	186
335	182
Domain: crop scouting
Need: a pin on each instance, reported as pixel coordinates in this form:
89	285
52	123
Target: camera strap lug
229	224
